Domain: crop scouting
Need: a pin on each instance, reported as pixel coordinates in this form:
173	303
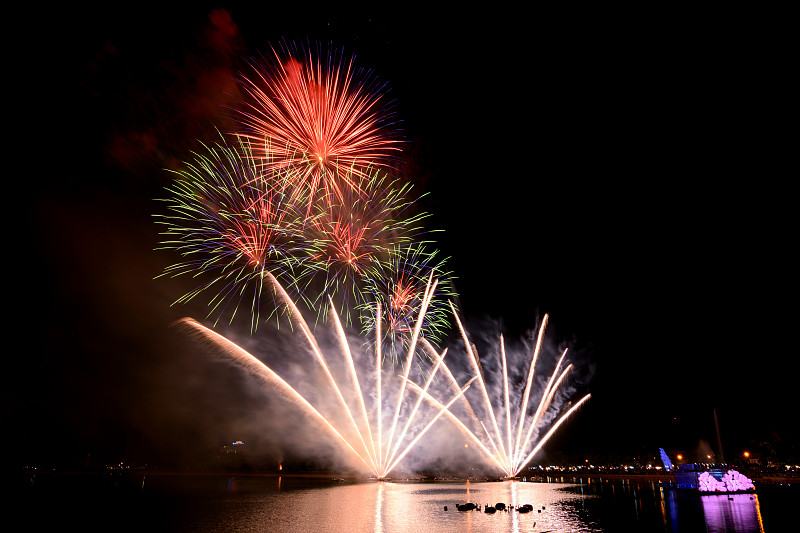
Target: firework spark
509	455
325	120
398	288
361	435
354	238
305	193
229	223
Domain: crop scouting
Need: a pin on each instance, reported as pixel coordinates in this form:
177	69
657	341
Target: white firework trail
364	440
510	458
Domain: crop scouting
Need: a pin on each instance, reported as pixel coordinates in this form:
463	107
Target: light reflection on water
652	506
254	504
399	507
737	512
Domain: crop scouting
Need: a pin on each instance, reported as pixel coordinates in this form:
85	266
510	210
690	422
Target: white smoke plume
303	415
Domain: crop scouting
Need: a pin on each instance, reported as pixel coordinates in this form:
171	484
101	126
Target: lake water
306	505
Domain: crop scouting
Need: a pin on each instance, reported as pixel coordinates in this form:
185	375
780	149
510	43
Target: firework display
508	450
399	289
378	437
325	119
230	222
374	439
305	190
303	206
355	238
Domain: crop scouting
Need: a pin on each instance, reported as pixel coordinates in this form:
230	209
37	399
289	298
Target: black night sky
624	172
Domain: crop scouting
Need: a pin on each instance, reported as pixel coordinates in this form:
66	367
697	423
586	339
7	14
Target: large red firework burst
323	119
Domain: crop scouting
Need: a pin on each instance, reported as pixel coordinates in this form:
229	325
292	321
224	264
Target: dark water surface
190	503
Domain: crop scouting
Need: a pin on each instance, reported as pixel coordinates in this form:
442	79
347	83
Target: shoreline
573	477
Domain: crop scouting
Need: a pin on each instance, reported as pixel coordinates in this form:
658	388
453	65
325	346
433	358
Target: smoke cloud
279	426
